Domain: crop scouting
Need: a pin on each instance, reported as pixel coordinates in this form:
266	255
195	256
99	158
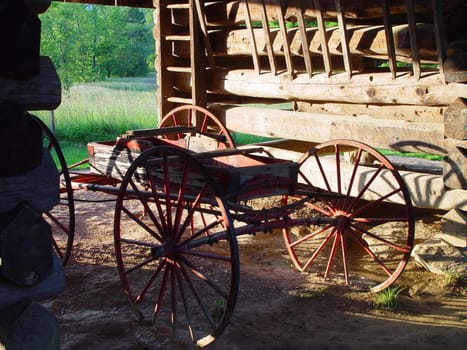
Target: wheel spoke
197	297
141	223
142	198
319	249
160	297
190	213
403	249
365	188
349	194
323	174
335	243
375	202
366	249
311	235
198	273
150	281
179	273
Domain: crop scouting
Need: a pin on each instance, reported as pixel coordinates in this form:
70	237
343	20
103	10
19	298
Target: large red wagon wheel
205	122
62	216
352	185
180	267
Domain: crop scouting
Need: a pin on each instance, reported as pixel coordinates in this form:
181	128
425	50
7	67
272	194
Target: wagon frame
179	213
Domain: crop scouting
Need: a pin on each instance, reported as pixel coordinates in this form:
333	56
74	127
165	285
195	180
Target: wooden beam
198	54
315	127
377	88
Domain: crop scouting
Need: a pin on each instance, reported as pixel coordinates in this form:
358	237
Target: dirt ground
277	307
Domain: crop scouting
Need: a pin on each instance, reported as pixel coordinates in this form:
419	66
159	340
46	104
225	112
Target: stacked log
29	185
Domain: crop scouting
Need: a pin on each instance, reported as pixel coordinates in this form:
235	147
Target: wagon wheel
62	216
205	122
179	266
372	237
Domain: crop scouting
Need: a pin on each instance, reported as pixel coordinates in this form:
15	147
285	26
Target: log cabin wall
390	73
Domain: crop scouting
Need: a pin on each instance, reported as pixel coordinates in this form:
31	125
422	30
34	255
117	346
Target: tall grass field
102	111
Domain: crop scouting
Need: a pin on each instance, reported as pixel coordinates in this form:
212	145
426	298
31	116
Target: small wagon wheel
352	184
62	216
205	122
179	266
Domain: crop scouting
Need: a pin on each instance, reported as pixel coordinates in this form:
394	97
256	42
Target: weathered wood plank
41	92
378	88
410	113
314	127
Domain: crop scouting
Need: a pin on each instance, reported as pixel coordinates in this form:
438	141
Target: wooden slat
267	36
178	37
344	38
413	39
202	23
285	39
389	37
197	57
254	51
440	36
305	49
179	69
324	38
180	100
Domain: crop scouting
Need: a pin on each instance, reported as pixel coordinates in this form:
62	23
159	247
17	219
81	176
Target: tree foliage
90	42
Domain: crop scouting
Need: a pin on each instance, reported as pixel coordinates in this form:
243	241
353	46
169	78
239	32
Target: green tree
89	42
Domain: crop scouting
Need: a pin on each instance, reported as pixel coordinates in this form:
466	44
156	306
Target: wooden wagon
184	194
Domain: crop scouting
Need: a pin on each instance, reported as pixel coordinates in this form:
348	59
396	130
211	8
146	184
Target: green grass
102	111
387	298
410	154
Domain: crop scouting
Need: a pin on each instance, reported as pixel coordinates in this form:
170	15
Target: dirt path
277	308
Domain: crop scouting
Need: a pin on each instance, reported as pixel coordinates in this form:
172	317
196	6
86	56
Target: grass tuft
387	298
